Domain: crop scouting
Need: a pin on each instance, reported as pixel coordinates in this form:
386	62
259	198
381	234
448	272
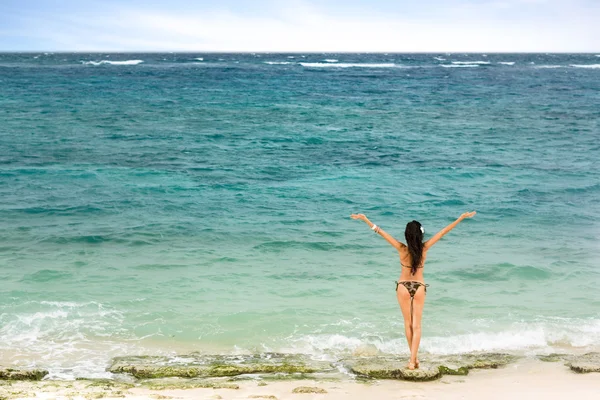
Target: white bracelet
374	227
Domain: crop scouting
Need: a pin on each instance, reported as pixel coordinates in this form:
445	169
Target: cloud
452	26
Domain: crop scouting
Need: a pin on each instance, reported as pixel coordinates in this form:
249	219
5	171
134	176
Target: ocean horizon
168	203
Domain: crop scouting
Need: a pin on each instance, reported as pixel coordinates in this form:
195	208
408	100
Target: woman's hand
359	216
468	214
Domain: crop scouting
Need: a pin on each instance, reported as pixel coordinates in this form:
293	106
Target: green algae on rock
445	370
553	357
390	367
13	374
195	365
386	367
182	383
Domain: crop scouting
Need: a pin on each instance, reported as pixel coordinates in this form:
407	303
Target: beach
531	379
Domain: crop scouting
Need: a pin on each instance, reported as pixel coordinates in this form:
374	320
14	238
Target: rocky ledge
390	367
202	366
585	363
17	374
299	366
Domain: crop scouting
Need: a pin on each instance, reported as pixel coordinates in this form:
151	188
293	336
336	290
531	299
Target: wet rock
194	365
13	374
453	370
481	360
177	383
391	367
553	357
308	389
586	363
387	367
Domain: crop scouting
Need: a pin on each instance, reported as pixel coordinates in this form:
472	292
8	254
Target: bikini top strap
408	266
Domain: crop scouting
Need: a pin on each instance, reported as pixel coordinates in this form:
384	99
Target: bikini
412	287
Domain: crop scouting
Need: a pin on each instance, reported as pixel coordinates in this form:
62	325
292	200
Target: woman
408	288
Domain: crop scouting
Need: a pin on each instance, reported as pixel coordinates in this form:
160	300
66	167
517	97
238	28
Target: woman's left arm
378	229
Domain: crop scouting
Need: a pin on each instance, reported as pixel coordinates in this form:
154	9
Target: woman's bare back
406	264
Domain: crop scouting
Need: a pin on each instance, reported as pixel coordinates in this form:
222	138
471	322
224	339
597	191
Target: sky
301	25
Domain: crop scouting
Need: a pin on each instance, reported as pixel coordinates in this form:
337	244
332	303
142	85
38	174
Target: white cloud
536	25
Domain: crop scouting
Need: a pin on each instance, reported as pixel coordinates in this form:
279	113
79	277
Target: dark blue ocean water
174	202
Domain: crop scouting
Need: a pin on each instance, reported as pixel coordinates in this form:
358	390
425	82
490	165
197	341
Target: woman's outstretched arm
447	229
378	229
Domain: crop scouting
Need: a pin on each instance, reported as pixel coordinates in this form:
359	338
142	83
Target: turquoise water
164	203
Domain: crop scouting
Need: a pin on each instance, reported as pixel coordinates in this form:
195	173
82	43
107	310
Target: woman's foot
417	364
411	365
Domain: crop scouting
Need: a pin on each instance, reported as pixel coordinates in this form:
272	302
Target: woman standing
408	288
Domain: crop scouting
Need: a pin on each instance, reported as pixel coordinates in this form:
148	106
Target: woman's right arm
427	245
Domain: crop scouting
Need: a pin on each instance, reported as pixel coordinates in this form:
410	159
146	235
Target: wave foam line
536	336
439	58
277	62
589	66
349	65
126	62
549	66
470	62
330	60
199	58
506	62
460	65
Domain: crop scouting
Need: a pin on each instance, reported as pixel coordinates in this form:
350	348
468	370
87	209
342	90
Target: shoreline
287	376
527	377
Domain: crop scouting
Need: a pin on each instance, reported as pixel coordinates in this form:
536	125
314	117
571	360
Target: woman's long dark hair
414	241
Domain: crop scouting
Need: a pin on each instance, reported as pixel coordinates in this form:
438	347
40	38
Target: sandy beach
527	379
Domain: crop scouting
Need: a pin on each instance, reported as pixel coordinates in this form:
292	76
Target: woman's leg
418	303
404	301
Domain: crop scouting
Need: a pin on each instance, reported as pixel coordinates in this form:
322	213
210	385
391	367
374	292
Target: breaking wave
126	62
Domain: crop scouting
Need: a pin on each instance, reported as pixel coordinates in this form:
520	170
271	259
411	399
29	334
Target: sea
163	204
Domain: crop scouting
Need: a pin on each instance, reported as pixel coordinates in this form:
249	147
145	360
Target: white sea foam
77	339
460	65
470	62
330	60
439	58
69	339
199	58
506	62
349	65
548	66
528	338
277	62
589	66
291	57
126	62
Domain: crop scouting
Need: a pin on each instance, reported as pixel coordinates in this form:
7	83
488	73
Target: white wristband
374	227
